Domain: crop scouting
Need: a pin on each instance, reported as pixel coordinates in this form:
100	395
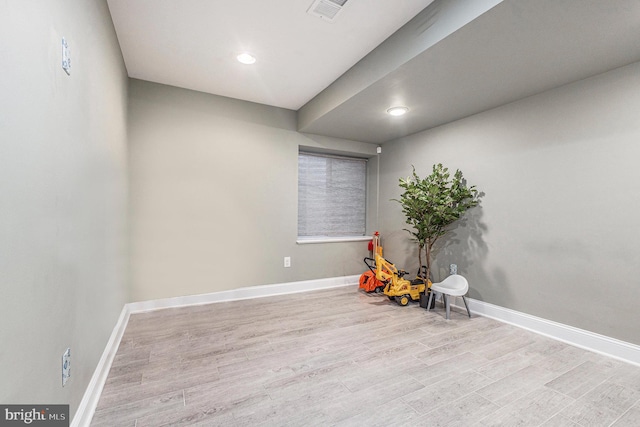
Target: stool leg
446	304
466	305
429	302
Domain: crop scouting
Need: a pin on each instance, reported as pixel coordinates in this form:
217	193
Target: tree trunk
427	249
420	261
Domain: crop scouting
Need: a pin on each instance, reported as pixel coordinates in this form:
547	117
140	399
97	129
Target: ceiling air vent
326	9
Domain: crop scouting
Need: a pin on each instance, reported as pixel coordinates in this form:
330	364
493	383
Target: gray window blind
331	196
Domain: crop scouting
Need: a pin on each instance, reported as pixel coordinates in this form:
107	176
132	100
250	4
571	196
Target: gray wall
63	196
557	232
214	195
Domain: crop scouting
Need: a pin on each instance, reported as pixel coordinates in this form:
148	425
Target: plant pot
424	300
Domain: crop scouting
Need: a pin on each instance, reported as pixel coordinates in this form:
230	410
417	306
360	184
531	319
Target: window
331	196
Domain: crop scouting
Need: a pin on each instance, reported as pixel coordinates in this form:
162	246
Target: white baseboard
89	401
591	341
87	407
244	293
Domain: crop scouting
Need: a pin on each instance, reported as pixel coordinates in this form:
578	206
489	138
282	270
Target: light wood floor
342	357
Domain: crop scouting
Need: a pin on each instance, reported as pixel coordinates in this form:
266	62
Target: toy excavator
384	277
394	285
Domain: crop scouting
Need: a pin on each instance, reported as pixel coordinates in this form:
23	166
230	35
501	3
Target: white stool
455	286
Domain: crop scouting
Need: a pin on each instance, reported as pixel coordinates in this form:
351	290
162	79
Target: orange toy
368	280
369	283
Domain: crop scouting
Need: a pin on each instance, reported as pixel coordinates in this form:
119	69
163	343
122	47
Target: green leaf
434	202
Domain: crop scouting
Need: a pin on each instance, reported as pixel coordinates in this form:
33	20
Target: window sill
312	240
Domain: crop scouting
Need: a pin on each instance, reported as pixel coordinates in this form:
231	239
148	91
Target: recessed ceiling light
398	111
246	58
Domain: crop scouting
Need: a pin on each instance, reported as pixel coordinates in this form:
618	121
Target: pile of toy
384	277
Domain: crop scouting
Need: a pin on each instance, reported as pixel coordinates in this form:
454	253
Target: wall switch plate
66	57
66	366
287	261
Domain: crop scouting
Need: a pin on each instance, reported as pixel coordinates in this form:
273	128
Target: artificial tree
431	204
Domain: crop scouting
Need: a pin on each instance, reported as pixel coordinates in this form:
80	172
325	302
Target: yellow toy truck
395	286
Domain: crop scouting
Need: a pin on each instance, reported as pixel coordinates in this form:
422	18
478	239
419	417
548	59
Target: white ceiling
444	59
193	44
516	49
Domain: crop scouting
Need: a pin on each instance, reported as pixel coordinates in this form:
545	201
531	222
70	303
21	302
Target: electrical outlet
66	366
66	57
287	261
